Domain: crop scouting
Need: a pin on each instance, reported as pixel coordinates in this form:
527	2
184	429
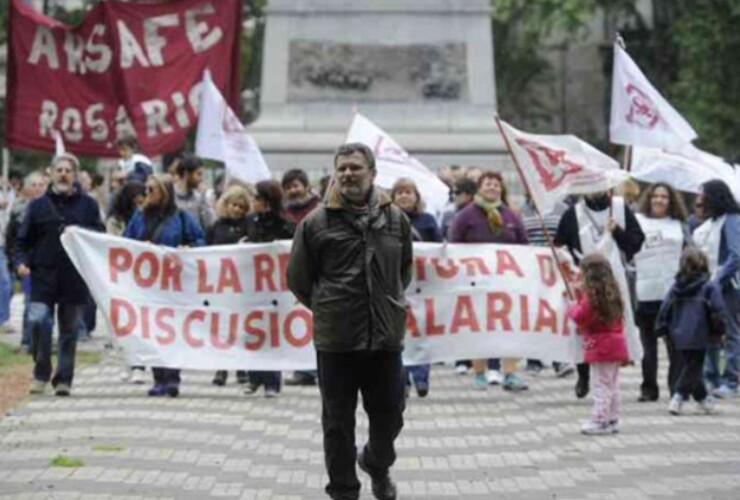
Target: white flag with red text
640	116
555	166
222	137
393	163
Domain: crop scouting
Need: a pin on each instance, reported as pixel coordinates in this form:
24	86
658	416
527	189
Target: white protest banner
393	162
555	166
684	172
640	116
222	137
228	307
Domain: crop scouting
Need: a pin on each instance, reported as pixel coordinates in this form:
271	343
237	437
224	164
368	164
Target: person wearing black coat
267	224
54	279
232	227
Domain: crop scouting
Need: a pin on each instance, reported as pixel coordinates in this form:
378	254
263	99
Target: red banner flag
128	68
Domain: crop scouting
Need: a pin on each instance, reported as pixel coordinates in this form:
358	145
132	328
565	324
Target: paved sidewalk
458	443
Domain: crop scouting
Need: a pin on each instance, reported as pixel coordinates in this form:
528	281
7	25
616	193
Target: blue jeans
41	332
731	345
271	380
419	375
6	288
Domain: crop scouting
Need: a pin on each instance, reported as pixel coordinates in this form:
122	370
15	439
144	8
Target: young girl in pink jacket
598	315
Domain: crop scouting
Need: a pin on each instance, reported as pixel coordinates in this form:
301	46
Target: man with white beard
54	279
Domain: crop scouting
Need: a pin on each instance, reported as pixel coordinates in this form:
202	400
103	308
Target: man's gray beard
61	188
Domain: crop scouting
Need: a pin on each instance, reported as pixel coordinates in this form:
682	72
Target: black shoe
422	390
581	388
241	377
382	485
172	390
220	378
305	381
646	397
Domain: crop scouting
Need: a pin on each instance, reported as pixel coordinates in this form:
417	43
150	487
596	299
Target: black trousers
378	376
691	378
166	376
649	386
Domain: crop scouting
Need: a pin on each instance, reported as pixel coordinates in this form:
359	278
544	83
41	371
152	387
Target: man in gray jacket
350	264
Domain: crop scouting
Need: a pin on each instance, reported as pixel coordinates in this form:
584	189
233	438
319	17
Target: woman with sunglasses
160	221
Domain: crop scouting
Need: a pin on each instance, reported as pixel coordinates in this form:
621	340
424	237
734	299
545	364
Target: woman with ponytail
490	220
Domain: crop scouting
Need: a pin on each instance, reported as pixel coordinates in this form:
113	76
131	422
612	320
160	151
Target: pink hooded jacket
602	343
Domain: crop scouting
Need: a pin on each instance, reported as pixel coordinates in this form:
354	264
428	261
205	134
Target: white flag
393	162
555	166
640	116
684	170
221	136
59	148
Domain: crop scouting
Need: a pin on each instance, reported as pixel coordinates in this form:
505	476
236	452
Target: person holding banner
162	223
490	220
406	196
662	215
582	229
232	227
267	224
719	239
350	265
54	279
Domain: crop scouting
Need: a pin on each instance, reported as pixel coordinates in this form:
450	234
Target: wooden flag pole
550	241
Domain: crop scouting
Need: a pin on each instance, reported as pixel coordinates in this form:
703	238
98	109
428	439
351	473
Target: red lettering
524	308
547	270
172	273
145	334
432	329
298	314
216	340
254	331
118	306
119	260
495	313
421	271
546	317
264	268
475	266
464	315
191	317
412	326
283	260
228	277
150	261
505	262
166	328
274	330
203	285
450	271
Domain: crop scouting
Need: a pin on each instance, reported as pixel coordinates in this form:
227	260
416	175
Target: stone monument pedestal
420	69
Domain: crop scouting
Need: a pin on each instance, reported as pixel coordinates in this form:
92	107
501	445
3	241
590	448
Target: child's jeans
605	388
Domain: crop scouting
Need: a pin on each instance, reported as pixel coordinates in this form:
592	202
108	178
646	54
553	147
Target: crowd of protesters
172	205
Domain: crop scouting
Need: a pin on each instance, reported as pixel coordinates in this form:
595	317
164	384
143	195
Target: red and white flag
393	162
640	116
555	166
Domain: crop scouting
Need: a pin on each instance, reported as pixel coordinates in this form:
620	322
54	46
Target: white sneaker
37	387
708	406
592	428
674	406
494	377
461	370
138	376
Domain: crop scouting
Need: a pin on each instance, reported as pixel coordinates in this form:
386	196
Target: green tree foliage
706	90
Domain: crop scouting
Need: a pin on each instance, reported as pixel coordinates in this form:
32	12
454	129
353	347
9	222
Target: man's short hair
66	157
188	165
128	140
351	148
295	174
467	186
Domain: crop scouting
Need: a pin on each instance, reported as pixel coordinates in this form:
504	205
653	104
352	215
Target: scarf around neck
493	212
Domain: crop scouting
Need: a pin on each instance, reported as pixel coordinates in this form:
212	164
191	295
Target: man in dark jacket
54	279
350	264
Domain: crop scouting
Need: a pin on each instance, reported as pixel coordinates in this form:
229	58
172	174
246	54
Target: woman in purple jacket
490	220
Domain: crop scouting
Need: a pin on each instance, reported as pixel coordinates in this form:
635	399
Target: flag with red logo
640	116
555	166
